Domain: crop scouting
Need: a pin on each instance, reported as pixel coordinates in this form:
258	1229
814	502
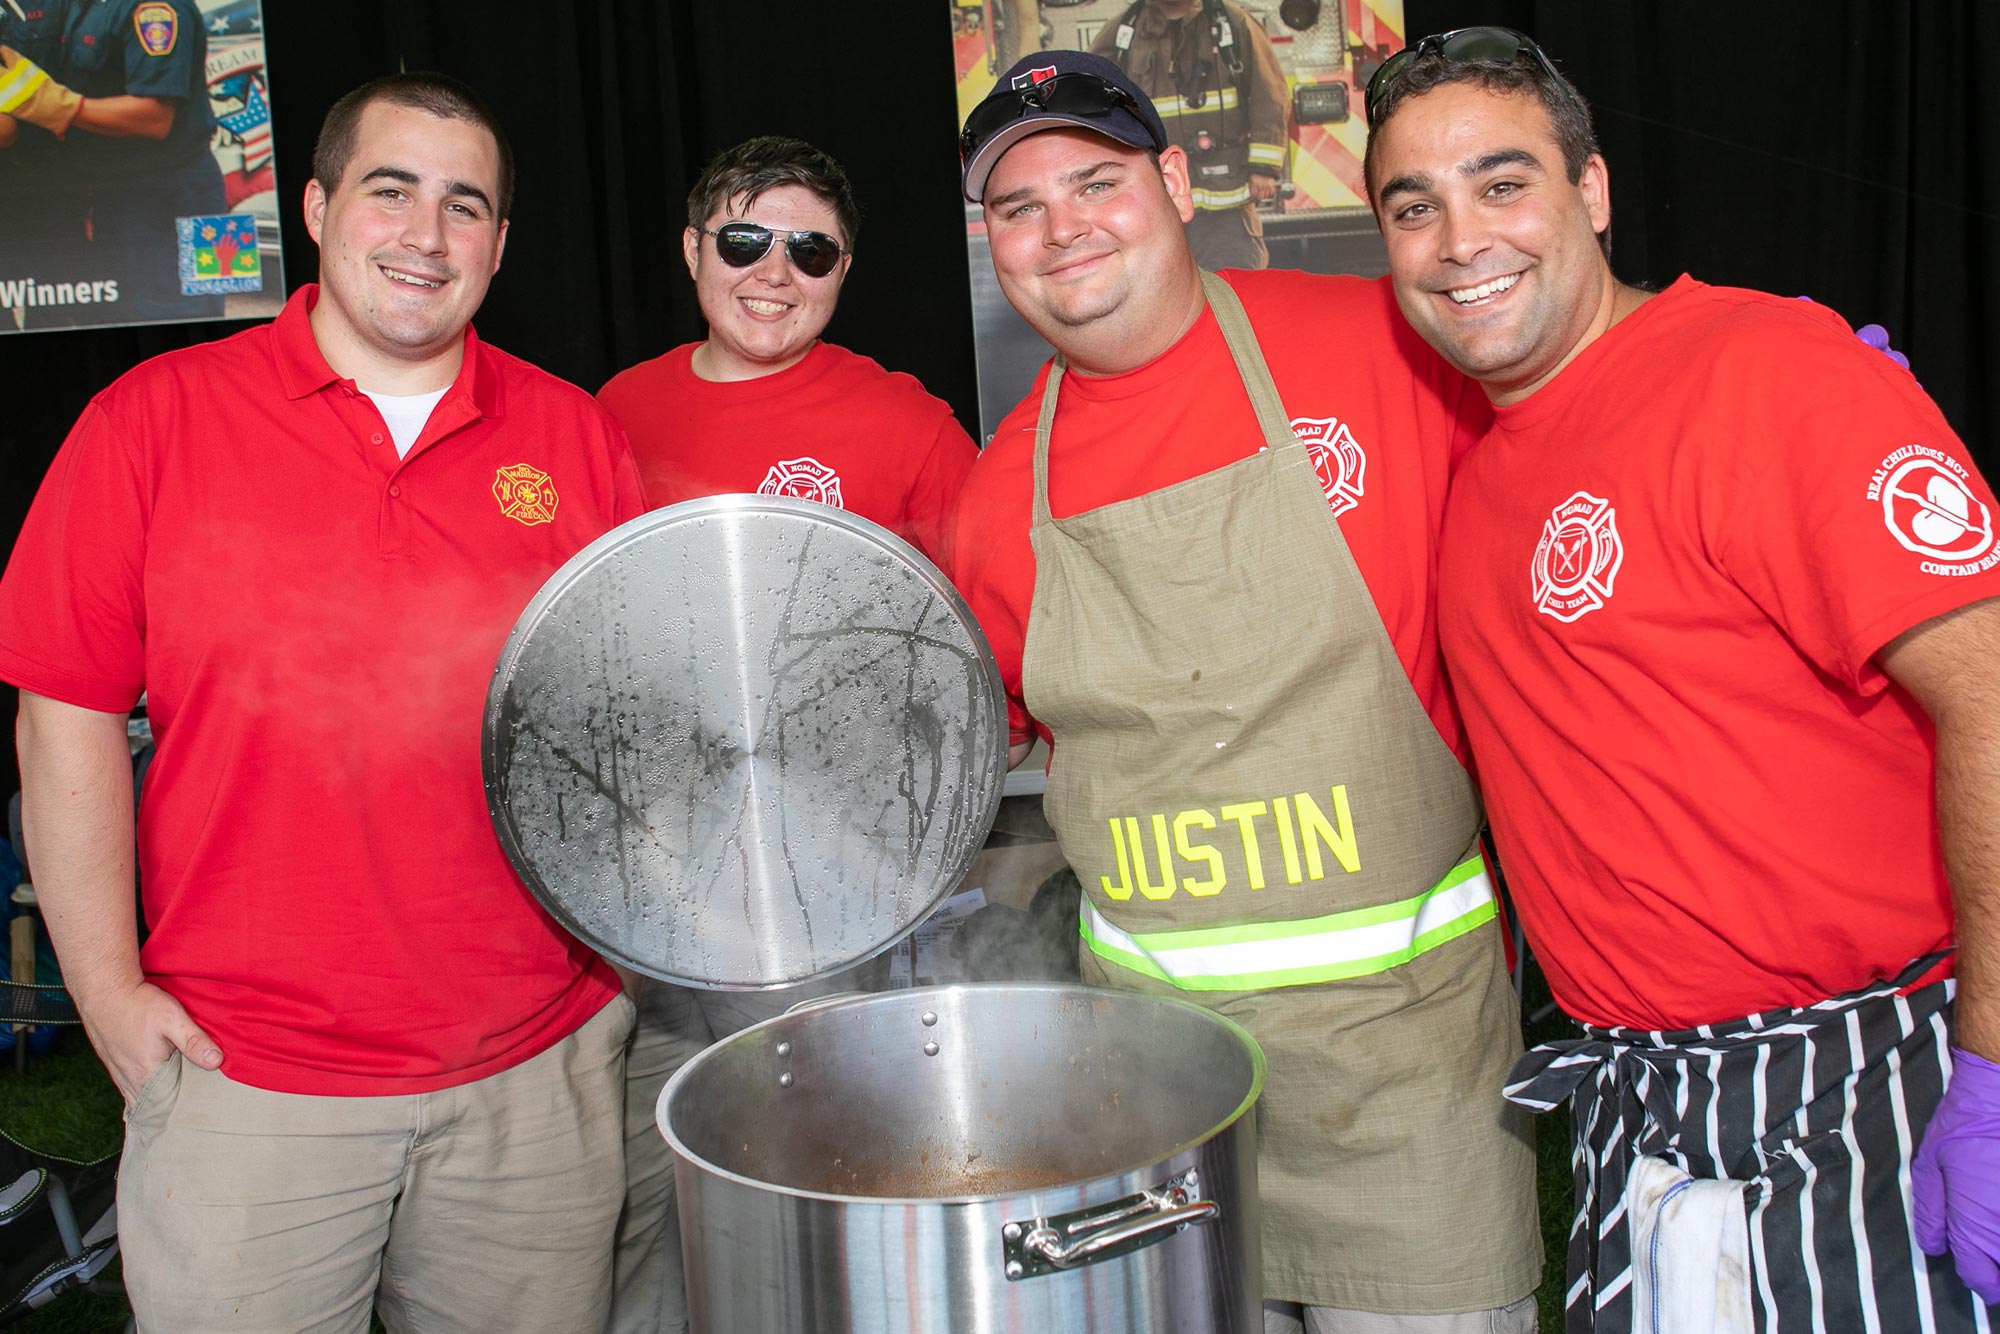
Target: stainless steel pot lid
743	741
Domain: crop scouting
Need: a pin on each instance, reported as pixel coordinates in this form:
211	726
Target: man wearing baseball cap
1202	550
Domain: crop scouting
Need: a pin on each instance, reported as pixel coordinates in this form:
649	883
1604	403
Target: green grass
1553	1183
66	1106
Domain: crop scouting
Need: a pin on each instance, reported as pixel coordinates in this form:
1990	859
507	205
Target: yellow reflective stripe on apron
1262	955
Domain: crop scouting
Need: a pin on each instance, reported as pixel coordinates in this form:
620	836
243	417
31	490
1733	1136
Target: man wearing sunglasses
762	406
1717	595
1201	550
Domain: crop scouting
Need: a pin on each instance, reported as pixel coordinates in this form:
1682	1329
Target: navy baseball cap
1048	90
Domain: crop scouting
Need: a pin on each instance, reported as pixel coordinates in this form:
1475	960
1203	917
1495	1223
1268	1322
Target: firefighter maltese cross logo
525	494
1336	457
1930	507
806	478
1578	558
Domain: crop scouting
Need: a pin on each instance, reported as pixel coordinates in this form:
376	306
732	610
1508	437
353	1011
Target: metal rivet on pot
1014	1269
930	1018
784	1049
930	1049
1012	1232
785	1080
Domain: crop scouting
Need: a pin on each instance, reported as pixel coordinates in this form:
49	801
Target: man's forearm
1946	664
76	813
9	130
1968	769
125	117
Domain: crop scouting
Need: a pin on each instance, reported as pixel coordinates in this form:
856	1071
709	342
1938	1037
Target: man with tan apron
1258	803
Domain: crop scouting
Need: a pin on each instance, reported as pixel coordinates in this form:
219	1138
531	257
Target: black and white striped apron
1819	1109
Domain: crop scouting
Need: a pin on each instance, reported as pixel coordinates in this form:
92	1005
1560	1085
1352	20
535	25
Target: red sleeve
72	603
1856	512
988	557
628	493
934	492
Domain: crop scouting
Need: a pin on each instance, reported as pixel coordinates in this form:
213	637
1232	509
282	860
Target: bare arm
9	129
1947	665
76	812
125	117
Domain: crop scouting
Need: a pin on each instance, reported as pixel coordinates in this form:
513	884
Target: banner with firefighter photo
1265	97
135	164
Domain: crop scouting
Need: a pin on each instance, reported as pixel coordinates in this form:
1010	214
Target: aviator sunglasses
1075	94
742	244
1501	44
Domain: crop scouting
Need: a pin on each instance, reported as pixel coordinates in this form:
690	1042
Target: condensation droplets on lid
744	741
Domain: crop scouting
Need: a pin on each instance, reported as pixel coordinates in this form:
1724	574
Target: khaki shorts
481	1208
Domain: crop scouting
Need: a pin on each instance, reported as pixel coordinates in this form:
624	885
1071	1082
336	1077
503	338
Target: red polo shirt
315	623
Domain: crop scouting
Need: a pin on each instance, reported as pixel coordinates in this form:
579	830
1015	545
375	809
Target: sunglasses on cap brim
1076	94
1496	44
742	244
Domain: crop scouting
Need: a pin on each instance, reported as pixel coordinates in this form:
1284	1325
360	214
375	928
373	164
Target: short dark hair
1569	115
435	94
765	163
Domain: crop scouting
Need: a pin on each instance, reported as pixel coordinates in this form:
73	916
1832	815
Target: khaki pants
482	1208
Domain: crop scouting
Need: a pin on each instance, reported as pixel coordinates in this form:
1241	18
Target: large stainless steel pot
1035	1159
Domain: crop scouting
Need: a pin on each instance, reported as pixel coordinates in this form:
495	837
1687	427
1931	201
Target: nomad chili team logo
1578	558
806	478
158	28
1929	505
525	494
1337	458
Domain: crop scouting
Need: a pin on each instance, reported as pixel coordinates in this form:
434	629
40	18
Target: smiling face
1492	250
1089	245
408	241
763	318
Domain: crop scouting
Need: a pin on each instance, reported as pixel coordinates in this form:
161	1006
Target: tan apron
1265	820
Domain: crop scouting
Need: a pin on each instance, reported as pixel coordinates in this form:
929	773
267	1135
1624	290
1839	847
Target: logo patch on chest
158	26
1577	561
1929	506
1337	458
806	478
525	493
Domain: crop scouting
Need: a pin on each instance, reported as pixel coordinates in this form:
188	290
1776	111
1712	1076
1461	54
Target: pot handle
1048	1244
1071	1241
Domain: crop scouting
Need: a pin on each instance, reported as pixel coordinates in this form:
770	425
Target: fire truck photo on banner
1265	96
135	164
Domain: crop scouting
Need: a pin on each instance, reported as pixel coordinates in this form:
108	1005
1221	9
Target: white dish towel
1690	1252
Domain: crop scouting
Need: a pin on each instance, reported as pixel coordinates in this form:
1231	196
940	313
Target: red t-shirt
1665	577
834	427
1379	409
315	623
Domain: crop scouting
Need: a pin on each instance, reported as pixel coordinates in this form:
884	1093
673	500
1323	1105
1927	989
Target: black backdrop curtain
1848	149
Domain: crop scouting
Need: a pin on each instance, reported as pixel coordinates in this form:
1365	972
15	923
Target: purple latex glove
1878	338
1957	1175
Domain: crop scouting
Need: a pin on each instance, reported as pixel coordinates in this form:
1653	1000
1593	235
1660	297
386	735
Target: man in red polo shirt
763	406
1717	594
362	1068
